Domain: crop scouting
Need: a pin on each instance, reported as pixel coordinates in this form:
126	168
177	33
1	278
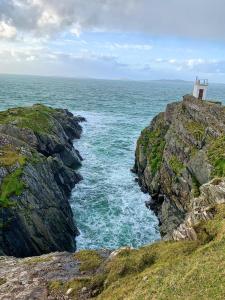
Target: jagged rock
211	193
180	151
37	174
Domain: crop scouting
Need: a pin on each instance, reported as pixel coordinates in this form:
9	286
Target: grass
153	144
216	156
195	186
11	185
57	288
36	260
173	270
196	129
176	165
38	118
164	270
89	260
9	157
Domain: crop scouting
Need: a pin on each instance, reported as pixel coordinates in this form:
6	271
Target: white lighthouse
200	88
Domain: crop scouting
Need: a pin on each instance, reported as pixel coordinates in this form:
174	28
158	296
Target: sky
114	39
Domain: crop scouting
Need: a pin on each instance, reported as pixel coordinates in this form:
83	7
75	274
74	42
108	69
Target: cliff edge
180	162
37	174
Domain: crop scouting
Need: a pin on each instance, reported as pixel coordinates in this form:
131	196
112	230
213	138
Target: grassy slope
178	270
163	270
36	117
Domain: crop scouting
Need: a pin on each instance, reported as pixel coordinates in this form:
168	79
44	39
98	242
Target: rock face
177	156
37	174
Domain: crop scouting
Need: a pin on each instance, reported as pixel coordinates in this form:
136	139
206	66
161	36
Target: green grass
164	270
89	260
176	165
155	156
216	156
36	260
195	186
11	185
38	118
172	270
57	288
9	157
153	145
196	129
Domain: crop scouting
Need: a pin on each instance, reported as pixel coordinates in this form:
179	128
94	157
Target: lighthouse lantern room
200	88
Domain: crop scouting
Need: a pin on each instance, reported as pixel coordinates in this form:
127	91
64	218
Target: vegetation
36	260
89	260
173	270
153	144
37	118
57	288
163	270
176	165
216	155
11	185
2	281
196	129
9	157
195	186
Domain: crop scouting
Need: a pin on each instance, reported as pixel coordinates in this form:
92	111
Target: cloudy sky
113	39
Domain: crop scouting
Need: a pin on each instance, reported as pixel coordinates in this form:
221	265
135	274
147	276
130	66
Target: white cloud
202	18
48	18
130	46
193	64
7	31
76	30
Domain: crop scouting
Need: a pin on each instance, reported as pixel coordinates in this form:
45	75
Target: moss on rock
36	118
216	155
89	260
153	145
9	157
176	165
196	129
11	185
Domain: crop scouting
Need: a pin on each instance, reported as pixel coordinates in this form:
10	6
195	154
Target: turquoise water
108	206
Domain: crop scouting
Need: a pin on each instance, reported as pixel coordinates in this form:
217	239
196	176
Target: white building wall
198	87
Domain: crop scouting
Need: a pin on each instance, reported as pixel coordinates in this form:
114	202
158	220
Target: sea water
108	206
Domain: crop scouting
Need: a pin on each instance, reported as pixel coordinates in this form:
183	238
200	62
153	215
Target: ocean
108	206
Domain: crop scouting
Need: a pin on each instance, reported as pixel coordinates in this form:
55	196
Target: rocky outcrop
177	156
37	173
51	276
202	209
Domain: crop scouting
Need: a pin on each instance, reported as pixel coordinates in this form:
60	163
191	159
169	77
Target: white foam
108	205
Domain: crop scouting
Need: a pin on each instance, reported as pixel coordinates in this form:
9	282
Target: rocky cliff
37	173
180	161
